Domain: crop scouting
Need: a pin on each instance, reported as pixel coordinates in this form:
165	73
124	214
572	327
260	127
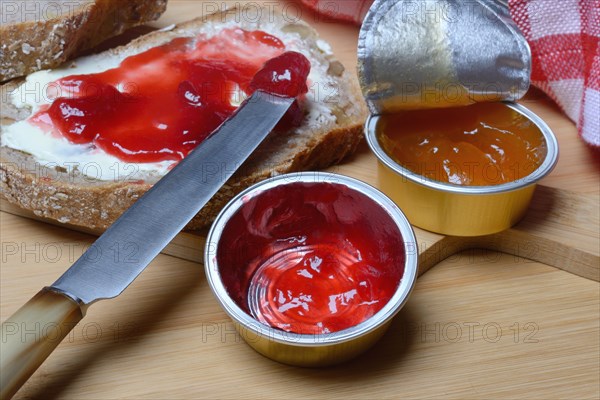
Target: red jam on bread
160	104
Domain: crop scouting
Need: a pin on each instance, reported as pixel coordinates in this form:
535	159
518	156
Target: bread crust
71	197
43	35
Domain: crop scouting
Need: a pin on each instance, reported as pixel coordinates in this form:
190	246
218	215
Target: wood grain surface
480	323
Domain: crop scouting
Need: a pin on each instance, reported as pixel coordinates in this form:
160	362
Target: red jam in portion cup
311	258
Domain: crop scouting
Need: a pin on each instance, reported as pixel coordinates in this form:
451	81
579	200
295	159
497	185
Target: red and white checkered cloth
564	36
565	42
343	10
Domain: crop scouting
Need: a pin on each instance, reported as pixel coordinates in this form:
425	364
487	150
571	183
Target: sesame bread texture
331	130
42	34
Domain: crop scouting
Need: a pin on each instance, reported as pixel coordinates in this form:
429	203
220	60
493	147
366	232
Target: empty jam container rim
380	319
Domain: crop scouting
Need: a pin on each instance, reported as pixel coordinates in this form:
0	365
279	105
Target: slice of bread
330	131
42	34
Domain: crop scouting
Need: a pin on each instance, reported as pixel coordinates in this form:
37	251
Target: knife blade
134	240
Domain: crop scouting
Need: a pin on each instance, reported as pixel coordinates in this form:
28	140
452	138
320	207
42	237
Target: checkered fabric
565	43
564	36
343	10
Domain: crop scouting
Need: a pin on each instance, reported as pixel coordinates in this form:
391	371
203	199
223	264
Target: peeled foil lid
415	54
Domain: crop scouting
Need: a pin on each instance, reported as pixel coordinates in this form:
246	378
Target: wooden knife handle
31	334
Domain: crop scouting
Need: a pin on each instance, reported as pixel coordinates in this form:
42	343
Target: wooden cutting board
480	324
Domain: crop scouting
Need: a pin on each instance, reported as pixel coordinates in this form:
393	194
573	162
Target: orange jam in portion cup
480	145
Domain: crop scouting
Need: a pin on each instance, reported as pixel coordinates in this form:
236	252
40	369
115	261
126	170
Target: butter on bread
42	34
331	131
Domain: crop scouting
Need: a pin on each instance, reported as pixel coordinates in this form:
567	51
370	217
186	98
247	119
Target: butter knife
150	224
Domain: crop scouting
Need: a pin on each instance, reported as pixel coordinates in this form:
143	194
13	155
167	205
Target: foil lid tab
415	54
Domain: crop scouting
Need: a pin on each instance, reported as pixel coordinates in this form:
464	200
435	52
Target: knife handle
31	334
